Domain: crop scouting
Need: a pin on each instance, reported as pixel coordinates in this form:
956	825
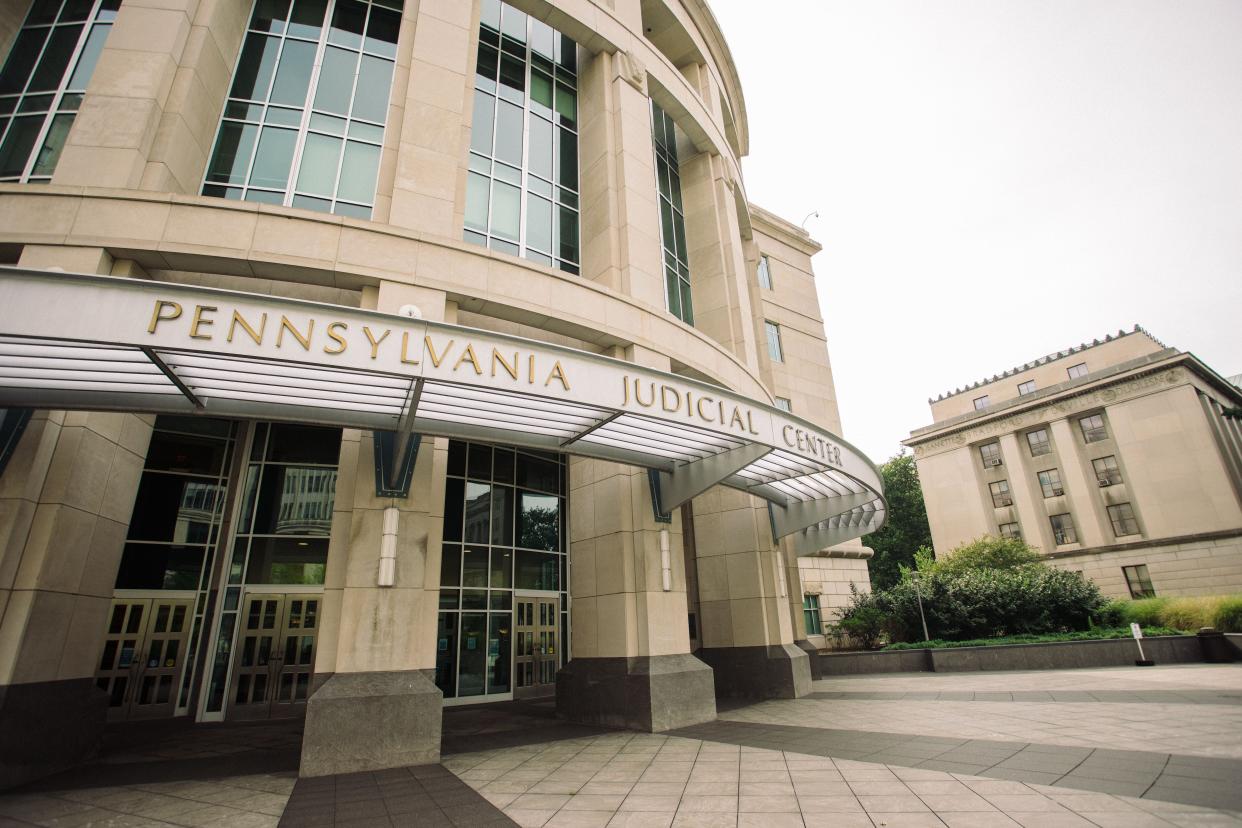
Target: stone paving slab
1065	696
1209	782
627	779
422	795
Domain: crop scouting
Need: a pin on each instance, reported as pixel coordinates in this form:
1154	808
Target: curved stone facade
219	143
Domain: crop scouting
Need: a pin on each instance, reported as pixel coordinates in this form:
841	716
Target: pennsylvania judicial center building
360	359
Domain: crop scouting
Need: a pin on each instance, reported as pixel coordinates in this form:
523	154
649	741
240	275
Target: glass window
1106	470
1010	530
672	216
1093	430
507	503
308	163
783	404
811	614
43	79
1063	529
525	121
1123	519
981	402
1025	388
288	496
1139	581
990	454
773	332
1050	483
1076	371
1039	442
1000	494
765	276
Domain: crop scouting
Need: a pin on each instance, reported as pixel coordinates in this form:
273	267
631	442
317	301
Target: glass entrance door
275	657
536	655
144	655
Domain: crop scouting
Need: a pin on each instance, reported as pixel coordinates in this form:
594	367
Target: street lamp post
918	593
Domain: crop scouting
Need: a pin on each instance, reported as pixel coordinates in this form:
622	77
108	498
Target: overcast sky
997	180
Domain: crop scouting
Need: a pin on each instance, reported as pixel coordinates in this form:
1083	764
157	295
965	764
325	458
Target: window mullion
299	145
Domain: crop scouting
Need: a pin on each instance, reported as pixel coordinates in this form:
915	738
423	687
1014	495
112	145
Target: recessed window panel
233	151
539	223
255	68
374	82
358	171
50	153
672	221
538	521
539	158
319	162
293	76
89	57
287	561
42	81
519	131
55	58
269	16
348	21
506	211
273	157
382	30
349	98
307	19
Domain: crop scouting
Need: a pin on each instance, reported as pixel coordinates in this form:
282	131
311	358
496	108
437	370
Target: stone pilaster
375	704
747	630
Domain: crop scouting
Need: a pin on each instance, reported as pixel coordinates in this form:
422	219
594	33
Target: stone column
797	620
1080	486
433	91
620	216
1032	516
376	704
718	272
630	639
747	630
143	105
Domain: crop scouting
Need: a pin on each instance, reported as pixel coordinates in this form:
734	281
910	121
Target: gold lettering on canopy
336	337
257	336
157	315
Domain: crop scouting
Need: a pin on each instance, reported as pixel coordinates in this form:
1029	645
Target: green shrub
1228	614
1188	613
1145	612
863	619
1112	614
984	603
1086	635
988	553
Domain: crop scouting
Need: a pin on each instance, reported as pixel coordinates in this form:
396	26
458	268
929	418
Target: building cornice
1146	543
785	230
1044	360
1166	369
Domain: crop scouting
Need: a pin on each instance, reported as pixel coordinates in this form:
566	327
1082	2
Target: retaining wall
1056	655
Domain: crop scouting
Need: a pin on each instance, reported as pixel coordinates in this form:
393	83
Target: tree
988	552
906	528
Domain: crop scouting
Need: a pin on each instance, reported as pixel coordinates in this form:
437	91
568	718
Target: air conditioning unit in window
992	461
1104	481
1058	492
1004	501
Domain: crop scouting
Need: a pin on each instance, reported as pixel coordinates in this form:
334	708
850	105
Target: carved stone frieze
1052	411
632	71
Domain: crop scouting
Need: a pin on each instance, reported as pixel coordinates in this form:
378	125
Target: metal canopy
102	343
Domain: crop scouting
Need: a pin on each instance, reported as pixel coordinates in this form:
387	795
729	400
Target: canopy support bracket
692	479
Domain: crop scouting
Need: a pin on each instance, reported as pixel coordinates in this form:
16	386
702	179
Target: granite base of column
372	721
777	671
48	726
812	656
647	693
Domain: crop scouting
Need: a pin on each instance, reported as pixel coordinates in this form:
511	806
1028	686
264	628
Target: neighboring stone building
1120	459
360	357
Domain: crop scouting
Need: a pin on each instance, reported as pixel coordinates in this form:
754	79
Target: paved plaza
1112	747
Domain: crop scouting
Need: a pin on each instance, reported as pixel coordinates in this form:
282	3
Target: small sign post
1142	660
